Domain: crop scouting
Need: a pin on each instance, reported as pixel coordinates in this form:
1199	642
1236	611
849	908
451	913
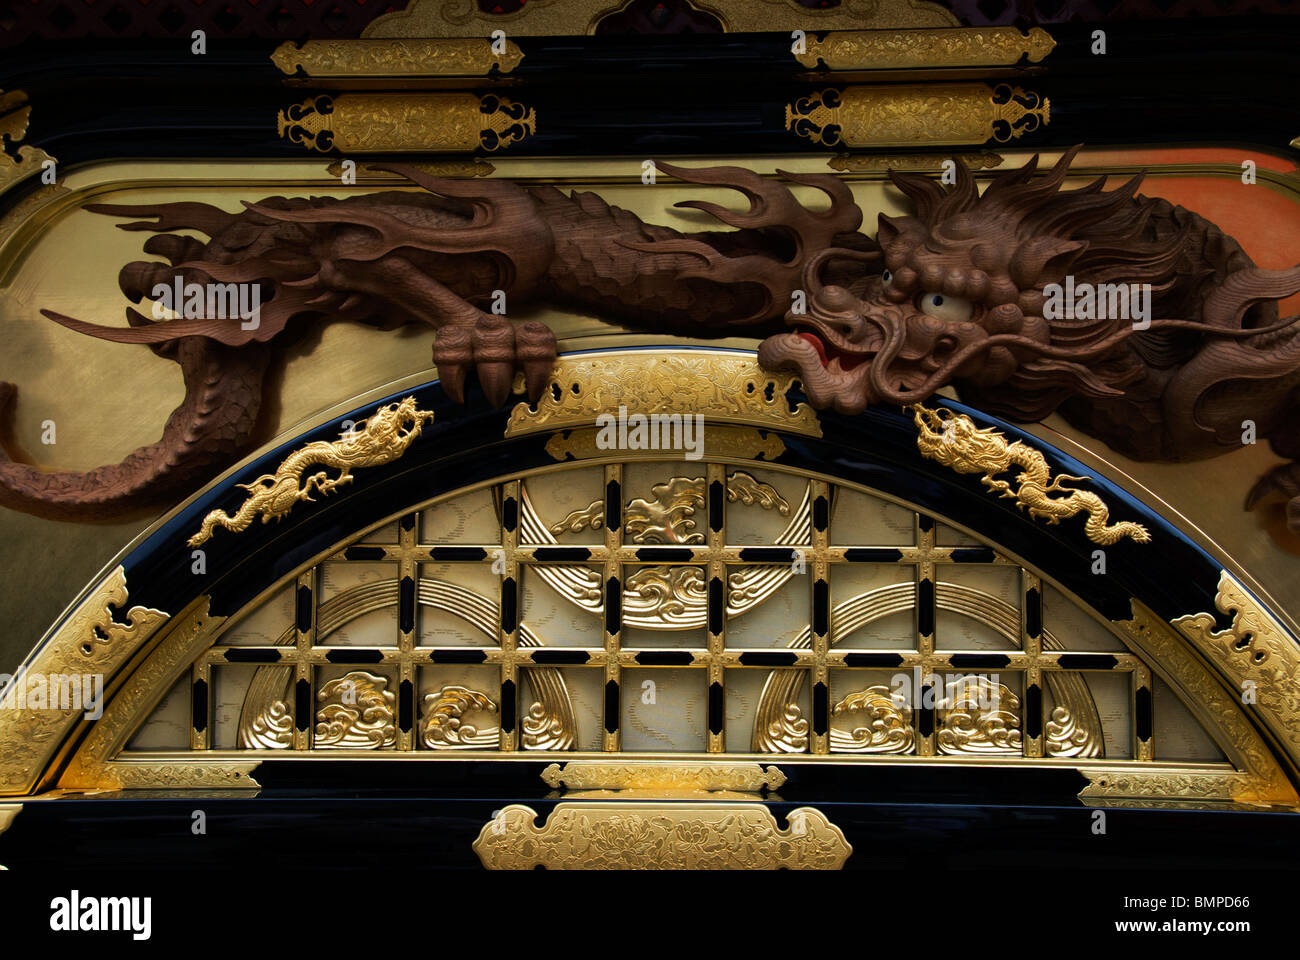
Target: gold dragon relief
382	438
952	440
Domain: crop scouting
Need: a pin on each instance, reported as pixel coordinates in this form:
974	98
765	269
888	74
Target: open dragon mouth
827	352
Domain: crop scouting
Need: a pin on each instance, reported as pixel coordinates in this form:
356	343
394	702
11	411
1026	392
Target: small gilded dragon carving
953	440
382	438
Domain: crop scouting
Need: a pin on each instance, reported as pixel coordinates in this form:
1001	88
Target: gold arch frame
143	652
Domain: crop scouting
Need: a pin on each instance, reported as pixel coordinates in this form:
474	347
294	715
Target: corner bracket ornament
406	122
943	114
1255	653
1253	775
952	440
94	639
614	835
17	161
382	438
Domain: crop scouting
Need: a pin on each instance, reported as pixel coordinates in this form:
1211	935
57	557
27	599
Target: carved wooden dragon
960	300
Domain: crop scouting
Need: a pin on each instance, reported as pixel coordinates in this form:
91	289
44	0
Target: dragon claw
1283	479
495	347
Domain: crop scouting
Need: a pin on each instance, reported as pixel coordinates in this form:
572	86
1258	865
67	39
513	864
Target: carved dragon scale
953	294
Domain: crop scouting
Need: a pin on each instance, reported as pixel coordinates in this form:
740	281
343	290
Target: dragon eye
951	309
886	277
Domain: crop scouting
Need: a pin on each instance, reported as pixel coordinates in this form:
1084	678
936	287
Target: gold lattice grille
657	607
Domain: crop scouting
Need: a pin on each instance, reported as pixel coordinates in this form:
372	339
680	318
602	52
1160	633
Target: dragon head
959	297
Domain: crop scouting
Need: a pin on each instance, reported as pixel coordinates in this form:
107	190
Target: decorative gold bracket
613	835
946	114
722	386
16	162
454	57
406	123
928	49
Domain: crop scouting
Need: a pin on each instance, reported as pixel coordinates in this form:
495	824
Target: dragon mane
1117	236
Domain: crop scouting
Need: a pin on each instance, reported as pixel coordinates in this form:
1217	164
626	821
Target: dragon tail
212	426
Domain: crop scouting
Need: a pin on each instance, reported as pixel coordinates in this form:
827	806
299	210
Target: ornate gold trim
917	116
1257	779
717	384
908	49
952	440
456	57
612	835
98	763
568	18
92	640
1255	650
463	169
745	443
382	438
916	162
406	122
673	775
16	162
